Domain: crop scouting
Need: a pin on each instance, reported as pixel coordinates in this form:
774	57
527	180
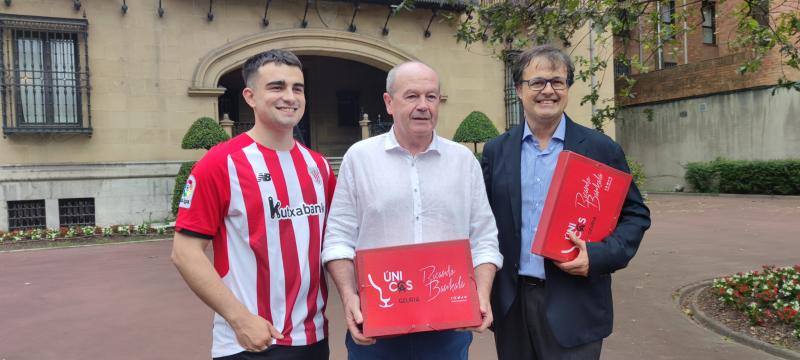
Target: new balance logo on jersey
264	177
277	212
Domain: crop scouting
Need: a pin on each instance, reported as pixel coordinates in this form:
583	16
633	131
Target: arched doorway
326	52
338	92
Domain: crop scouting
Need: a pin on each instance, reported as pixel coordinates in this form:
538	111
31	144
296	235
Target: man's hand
484	275
344	275
486	315
352	314
254	333
580	265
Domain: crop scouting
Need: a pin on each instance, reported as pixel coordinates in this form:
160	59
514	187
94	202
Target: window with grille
759	10
76	212
709	22
668	19
26	214
45	82
621	68
514	110
668	12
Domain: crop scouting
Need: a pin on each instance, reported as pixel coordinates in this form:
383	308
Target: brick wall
691	42
717	75
710	69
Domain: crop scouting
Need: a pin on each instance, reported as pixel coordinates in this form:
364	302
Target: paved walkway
128	302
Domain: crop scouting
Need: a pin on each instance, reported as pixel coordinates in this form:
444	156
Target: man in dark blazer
545	309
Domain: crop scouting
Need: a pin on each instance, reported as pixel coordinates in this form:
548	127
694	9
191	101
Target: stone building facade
97	95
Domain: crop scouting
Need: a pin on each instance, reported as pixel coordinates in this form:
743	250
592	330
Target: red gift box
585	196
415	288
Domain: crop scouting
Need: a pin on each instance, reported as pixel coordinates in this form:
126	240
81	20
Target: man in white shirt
409	186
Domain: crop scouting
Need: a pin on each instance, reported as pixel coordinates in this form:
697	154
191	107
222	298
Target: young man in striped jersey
261	200
409	186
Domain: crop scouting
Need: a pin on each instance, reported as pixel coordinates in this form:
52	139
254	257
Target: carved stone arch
320	42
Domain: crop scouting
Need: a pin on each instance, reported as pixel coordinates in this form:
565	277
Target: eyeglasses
538	84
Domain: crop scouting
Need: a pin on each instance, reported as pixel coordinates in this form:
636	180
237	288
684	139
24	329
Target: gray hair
552	54
392	75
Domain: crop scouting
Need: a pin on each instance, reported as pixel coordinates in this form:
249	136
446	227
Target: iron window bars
76	212
44	85
26	214
514	110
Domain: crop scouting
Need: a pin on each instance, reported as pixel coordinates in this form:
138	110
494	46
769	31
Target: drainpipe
659	54
591	59
641	47
685	38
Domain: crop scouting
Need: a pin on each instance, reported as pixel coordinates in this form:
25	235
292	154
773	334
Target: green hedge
777	177
180	183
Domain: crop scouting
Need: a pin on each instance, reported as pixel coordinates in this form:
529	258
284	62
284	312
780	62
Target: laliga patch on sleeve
188	192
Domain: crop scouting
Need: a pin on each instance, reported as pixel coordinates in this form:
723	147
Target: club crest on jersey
277	212
315	175
188	192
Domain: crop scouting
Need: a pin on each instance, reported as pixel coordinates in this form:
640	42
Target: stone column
364	126
227	124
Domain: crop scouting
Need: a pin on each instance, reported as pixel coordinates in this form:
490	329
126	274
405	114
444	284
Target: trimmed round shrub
204	134
476	128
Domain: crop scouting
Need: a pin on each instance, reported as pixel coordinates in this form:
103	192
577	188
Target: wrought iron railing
378	128
44	85
242	126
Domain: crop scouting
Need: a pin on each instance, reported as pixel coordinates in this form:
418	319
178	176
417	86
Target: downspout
641	46
685	38
659	53
591	59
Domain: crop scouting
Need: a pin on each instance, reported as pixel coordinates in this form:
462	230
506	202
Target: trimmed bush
204	134
476	128
637	171
180	184
773	177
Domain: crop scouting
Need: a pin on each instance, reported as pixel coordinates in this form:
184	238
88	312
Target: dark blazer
579	309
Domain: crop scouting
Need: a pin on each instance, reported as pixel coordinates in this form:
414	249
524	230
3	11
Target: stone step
335	162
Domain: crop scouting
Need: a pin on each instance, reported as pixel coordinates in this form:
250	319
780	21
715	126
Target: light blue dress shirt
536	171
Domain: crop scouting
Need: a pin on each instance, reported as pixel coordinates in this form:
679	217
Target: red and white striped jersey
265	211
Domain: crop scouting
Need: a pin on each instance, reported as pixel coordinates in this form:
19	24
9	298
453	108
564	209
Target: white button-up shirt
386	197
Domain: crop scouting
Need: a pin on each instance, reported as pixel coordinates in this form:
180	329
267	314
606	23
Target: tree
203	134
475	128
507	26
